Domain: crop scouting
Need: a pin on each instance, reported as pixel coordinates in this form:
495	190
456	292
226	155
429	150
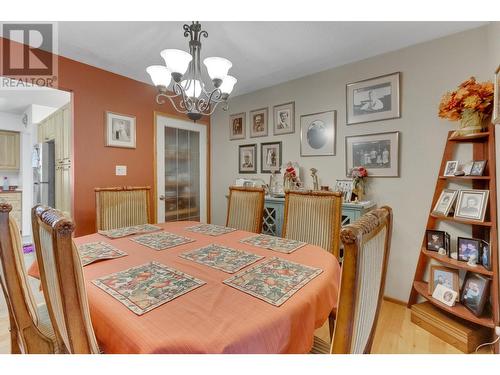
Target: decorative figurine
472	261
291	178
315	178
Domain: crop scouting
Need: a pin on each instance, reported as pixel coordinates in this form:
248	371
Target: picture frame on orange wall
120	130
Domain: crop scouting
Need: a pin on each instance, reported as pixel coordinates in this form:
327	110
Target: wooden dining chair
245	208
30	328
63	284
367	244
118	207
314	217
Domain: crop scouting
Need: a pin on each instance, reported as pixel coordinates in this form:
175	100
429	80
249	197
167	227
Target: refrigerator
44	173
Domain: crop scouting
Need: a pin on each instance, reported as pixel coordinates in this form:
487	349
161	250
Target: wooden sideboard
274	211
14	198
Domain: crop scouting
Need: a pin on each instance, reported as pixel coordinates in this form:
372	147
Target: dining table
213	317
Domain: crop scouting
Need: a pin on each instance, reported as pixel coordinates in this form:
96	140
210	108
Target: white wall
428	70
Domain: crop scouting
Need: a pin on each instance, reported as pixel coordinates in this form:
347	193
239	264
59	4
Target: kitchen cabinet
9	150
14	198
58	128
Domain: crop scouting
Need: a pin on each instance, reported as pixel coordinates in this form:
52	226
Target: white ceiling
263	53
17	100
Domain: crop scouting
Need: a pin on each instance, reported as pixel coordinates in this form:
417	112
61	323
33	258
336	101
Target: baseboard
395	300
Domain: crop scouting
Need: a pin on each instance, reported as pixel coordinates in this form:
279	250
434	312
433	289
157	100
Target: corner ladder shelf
483	148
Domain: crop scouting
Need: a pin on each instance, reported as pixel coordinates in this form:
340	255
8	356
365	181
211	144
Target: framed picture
467	249
247	158
345	187
475	292
450	168
284	118
466	168
258	123
445	295
318	134
496	98
270	157
378	153
373	99
120	130
478	167
486	255
447	277
237	126
445	202
471	204
436	239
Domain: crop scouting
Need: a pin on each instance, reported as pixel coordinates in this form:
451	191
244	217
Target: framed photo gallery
373	99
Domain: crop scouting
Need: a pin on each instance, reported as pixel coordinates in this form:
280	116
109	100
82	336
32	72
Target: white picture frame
237	126
445	202
450	168
345	186
259	123
120	130
284	118
373	99
378	153
445	295
318	134
471	204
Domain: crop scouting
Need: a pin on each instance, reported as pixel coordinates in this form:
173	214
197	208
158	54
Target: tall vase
359	191
470	123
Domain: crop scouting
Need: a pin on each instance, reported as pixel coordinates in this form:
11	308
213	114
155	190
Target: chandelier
188	93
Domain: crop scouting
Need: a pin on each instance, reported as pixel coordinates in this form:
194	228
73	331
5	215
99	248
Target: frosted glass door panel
182	174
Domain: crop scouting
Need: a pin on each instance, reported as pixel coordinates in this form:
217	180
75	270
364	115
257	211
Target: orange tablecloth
214	318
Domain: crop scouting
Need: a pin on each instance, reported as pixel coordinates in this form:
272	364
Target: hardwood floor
396	334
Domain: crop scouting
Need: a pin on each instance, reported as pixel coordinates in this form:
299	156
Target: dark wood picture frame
477	243
429	233
476	309
254	168
456	278
280	157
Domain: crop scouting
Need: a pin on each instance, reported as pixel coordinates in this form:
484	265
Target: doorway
181	170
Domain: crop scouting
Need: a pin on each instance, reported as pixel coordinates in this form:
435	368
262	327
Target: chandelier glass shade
180	79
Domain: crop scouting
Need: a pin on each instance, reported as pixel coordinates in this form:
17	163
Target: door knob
162	197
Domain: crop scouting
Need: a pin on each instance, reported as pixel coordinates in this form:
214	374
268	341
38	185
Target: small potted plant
471	104
358	175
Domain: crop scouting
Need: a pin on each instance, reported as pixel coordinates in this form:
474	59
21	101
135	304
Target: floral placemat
128	231
94	251
210	229
274	280
281	245
145	287
162	240
221	257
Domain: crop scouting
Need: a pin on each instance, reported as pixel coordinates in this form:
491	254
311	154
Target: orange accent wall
96	91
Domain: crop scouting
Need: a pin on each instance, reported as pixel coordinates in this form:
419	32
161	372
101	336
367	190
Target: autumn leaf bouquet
470	104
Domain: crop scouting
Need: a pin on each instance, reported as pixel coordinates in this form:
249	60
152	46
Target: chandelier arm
160	100
213	98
